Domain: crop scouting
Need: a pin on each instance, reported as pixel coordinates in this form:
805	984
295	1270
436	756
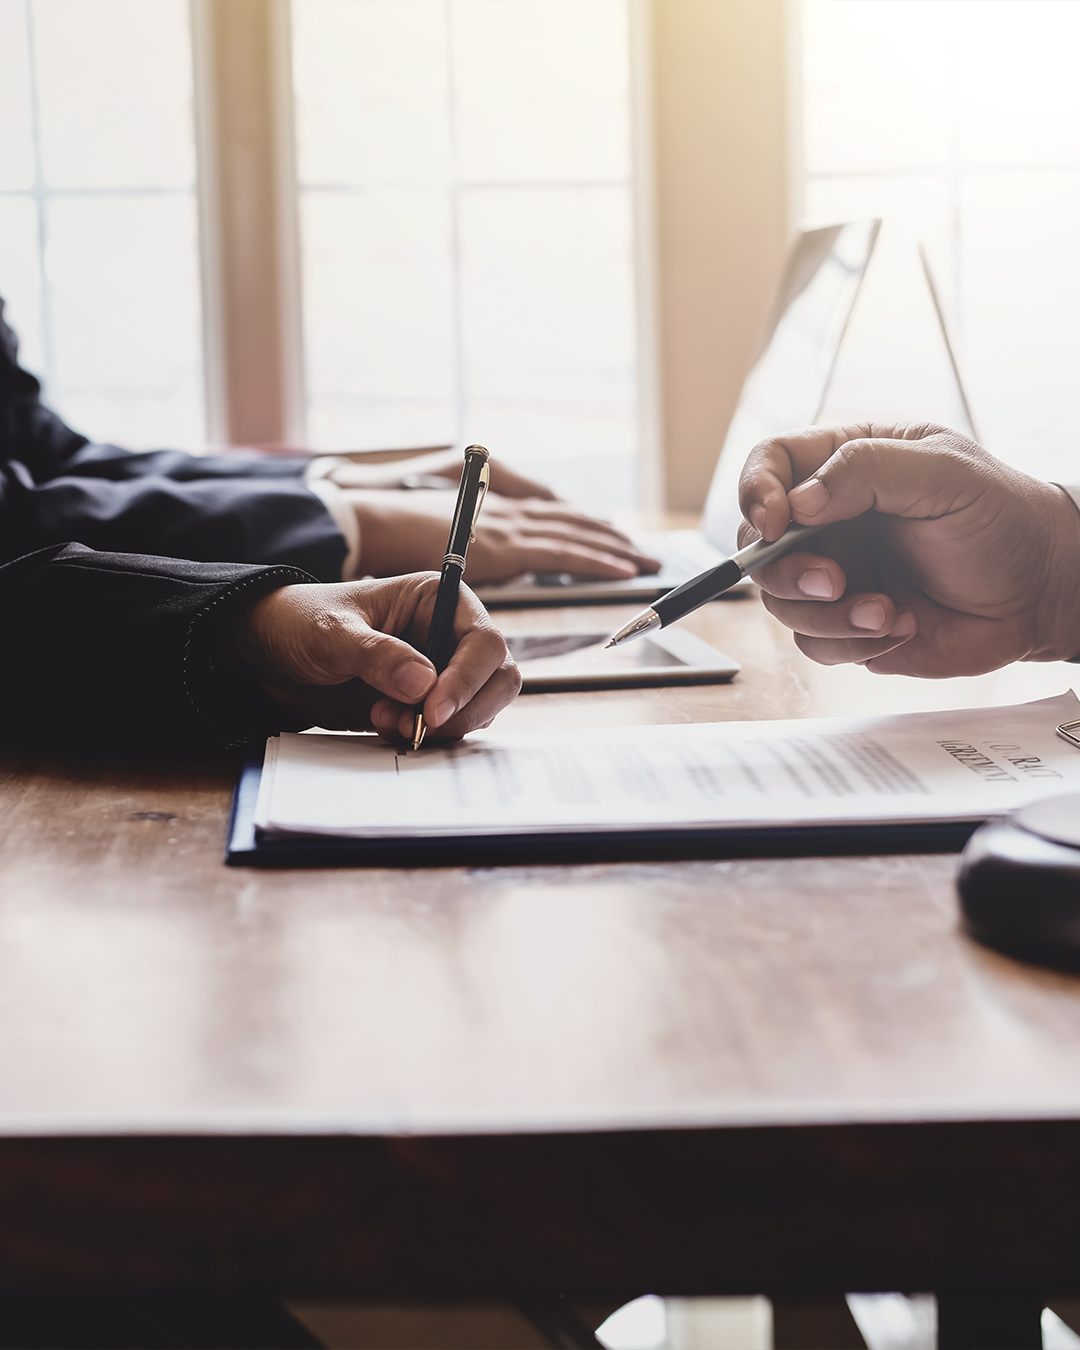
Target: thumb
343	646
384	662
932	477
306	635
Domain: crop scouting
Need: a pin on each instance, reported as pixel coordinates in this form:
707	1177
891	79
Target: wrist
345	518
1058	610
385	538
223	682
252	640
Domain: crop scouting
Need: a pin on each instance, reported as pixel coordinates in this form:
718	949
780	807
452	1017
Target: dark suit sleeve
28	430
116	653
253	520
56	486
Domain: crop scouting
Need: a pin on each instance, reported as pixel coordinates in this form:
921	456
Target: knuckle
746	534
806	645
509	674
771	602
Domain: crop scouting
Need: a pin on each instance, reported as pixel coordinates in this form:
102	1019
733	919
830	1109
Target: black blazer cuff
222	688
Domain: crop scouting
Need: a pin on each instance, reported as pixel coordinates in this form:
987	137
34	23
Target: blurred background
550	225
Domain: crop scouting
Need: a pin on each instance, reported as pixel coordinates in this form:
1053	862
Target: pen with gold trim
440	642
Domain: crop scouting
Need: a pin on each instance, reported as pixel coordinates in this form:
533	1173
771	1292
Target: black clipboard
246	846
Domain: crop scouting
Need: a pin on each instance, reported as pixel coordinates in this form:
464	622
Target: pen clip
485	478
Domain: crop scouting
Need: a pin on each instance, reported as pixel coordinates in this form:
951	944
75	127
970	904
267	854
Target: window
465	222
465	204
959	122
98	230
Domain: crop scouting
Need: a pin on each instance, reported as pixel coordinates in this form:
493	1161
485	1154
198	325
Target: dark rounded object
1019	882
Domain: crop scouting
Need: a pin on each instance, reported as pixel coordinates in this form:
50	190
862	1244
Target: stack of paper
914	768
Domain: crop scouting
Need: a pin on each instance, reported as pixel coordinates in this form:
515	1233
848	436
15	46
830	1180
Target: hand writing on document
341	654
943	561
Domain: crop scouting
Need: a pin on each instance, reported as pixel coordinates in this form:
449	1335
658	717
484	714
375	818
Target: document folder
909	782
248	847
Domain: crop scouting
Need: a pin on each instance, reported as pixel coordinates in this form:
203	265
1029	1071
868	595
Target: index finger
567	515
481	650
775	466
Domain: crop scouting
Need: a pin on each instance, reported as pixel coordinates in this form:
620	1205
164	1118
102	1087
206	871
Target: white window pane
917	206
371	97
20	277
1018	97
1002	237
379	317
877	84
16	148
124	282
541	89
548	310
586	454
115	89
441	308
1021	295
894	365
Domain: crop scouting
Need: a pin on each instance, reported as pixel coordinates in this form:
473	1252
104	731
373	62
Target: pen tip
610	643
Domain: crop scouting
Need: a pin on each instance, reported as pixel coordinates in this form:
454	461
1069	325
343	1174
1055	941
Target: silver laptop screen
789	381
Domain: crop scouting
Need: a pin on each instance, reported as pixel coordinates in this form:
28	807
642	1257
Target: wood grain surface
146	988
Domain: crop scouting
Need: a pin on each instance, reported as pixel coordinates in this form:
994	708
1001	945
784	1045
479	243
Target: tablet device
554	661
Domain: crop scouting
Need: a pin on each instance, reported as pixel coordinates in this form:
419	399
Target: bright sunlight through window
959	122
465	206
98	223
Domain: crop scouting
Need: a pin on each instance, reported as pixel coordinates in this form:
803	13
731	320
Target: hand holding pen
440	643
940	560
711	584
346	655
953	563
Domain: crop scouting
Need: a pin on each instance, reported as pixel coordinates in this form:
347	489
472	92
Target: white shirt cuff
344	516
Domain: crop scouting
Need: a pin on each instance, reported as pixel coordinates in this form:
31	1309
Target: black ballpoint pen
440	642
701	589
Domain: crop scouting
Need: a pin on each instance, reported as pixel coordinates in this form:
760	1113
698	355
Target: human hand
943	561
341	655
406	531
440	464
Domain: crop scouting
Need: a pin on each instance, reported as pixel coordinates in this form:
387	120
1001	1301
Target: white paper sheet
916	767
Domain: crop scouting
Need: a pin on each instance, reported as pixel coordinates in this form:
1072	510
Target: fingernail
867	614
905	625
757	518
413	680
816	582
441	711
809	497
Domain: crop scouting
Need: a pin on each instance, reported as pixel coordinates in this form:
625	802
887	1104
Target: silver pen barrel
759	553
699	590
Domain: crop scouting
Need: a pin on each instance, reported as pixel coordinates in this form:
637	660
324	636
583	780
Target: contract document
912	768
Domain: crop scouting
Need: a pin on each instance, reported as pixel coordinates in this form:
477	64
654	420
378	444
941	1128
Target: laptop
787	387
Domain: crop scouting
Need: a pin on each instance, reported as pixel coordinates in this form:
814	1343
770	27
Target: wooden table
790	1076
